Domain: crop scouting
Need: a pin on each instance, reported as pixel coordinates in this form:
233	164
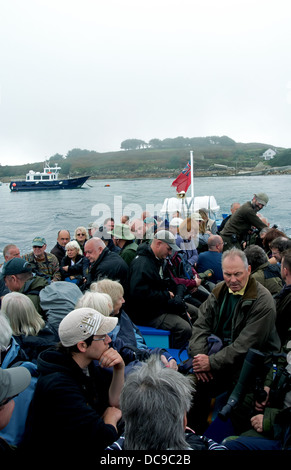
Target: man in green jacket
241	222
269	275
18	277
125	240
241	313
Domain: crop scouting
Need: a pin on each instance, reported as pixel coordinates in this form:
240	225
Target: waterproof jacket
109	265
58	299
59	251
78	270
253	325
269	276
241	221
32	289
68	405
128	252
148	294
283	308
32	345
14	432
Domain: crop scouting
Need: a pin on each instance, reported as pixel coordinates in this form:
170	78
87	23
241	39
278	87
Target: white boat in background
187	205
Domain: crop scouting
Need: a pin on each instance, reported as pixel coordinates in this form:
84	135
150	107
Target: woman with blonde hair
204	231
187	239
210	224
81	235
112	288
29	329
97	300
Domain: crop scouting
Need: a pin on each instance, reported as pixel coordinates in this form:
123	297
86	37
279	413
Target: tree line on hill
156	158
177	142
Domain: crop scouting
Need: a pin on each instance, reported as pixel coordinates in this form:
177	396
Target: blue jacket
13	433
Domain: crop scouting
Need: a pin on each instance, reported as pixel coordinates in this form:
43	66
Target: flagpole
192	176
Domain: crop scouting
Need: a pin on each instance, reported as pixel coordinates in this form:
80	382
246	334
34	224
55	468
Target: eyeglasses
81	234
102	338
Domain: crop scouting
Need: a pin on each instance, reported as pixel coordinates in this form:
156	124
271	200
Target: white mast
192	177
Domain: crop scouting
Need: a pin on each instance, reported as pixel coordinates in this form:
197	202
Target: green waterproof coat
253	326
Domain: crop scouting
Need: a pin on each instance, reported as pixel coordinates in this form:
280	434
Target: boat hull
70	183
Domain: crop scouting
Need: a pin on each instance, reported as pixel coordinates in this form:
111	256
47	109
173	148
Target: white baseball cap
82	323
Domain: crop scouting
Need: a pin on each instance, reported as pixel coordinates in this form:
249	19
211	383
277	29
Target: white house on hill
269	154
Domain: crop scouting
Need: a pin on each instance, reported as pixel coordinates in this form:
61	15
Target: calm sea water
29	214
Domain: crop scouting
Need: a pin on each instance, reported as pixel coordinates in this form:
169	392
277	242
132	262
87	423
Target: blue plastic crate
155	338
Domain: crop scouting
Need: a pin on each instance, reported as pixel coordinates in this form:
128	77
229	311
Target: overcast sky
91	73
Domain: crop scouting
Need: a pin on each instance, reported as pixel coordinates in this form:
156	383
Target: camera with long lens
254	362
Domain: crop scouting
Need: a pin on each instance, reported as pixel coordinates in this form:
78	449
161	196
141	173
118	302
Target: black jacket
59	251
148	294
283	309
67	407
109	265
80	268
34	344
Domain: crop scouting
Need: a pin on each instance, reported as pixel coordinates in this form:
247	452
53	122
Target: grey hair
22	314
110	287
5	332
235	252
256	256
154	401
99	301
74	244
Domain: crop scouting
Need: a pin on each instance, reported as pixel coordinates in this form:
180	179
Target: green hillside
157	158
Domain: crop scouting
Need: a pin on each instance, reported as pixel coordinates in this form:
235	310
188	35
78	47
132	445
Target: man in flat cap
243	220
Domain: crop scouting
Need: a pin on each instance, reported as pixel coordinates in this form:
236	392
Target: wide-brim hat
122	231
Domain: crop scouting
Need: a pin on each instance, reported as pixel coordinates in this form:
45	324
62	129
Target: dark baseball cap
16	266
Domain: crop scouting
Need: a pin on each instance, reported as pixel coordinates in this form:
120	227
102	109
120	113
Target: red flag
183	181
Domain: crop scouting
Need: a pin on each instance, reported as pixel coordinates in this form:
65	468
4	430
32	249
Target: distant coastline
212	156
172	174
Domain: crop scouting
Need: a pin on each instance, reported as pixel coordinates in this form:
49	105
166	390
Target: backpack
182	267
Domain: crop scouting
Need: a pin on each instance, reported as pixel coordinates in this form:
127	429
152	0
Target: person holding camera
270	423
243	220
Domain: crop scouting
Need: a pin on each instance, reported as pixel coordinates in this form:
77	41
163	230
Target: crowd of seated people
74	316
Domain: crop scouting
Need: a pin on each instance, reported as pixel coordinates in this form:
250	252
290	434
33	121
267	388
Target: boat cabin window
36	177
45	177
